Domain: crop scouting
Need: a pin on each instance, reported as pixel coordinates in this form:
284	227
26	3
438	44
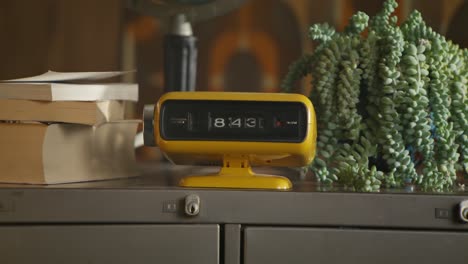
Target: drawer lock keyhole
192	205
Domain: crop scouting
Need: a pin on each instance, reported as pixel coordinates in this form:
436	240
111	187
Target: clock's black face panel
233	121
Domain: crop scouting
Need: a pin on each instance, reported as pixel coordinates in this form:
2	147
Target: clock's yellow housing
236	157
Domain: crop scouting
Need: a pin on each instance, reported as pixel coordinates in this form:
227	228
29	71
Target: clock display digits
233	121
236	122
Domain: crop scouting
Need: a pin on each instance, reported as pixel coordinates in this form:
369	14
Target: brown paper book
61	153
88	113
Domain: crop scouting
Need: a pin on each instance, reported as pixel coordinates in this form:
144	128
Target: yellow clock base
237	173
234	180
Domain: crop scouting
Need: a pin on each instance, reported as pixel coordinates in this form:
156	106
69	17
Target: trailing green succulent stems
391	104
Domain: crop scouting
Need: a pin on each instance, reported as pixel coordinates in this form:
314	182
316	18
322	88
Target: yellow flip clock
234	131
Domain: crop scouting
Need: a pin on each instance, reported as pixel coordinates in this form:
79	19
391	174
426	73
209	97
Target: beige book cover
59	86
69	91
35	153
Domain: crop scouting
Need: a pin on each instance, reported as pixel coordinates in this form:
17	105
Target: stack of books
55	131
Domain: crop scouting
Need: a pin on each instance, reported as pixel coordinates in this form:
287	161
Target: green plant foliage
391	103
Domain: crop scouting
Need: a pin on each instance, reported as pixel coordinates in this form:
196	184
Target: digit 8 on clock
235	131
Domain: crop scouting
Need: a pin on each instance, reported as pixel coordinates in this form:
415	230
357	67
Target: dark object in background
180	57
180	52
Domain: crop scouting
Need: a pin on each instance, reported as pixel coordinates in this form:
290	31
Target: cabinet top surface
164	176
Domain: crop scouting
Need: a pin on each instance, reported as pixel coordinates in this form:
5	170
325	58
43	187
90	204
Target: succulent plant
391	103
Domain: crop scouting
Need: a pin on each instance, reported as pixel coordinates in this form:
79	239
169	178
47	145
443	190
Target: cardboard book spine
65	153
88	113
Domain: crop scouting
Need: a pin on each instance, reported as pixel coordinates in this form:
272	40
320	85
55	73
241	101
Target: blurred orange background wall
248	49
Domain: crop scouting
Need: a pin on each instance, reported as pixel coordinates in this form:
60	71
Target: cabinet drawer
109	244
361	246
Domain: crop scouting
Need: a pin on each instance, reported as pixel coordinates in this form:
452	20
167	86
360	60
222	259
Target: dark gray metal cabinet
143	220
361	246
117	244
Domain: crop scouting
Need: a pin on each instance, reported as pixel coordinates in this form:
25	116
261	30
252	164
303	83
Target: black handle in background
180	63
